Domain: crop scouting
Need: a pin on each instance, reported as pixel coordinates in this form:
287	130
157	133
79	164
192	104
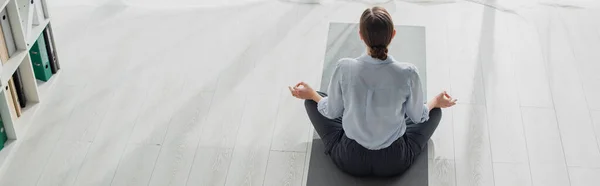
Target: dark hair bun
377	31
379	52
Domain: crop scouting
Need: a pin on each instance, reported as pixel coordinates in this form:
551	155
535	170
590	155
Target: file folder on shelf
50	49
39	60
15	98
3	137
3	49
7	33
11	103
19	88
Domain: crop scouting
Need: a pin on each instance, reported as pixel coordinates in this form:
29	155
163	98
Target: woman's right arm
416	109
332	106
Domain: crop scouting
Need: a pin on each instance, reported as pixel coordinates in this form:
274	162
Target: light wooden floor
157	94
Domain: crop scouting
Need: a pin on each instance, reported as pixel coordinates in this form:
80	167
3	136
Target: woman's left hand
303	91
444	100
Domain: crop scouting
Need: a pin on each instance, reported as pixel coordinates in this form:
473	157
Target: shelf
11	66
21	125
3	4
35	32
20	15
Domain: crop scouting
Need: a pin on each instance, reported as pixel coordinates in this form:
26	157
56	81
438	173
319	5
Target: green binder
40	60
3	136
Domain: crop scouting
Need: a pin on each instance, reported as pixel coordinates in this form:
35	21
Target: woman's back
375	96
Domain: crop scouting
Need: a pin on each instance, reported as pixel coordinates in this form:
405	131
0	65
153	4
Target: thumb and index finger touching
302	83
445	94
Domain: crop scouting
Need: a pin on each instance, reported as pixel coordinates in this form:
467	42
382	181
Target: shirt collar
368	59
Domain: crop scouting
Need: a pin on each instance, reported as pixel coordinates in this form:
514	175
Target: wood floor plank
285	168
543	136
442	172
579	141
579	26
509	174
291	125
572	113
60	104
152	123
27	165
578	138
258	121
471	135
249	159
472	146
55	113
438	61
173	165
49	129
120	120
155	115
476	172
223	121
549	174
88	114
100	163
185	126
267	76
464	23
508	142
596	120
211	166
531	76
136	165
248	166
502	97
584	176
64	163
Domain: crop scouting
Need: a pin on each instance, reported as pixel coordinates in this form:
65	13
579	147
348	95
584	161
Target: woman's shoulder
346	61
406	66
406	70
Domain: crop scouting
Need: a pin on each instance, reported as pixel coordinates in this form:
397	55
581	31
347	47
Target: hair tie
378	47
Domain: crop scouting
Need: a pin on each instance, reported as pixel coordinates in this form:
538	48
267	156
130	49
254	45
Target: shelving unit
26	28
36	31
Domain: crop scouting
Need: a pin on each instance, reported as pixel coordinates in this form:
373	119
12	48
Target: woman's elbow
422	119
434	114
331	114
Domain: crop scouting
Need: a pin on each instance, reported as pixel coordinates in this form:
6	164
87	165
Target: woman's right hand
443	100
304	91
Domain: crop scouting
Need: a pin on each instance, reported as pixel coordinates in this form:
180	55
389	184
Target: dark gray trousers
356	160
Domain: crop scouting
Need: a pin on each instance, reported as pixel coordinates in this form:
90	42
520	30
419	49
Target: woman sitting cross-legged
374	121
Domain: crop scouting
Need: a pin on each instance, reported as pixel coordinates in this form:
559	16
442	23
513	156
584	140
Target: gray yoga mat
343	41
